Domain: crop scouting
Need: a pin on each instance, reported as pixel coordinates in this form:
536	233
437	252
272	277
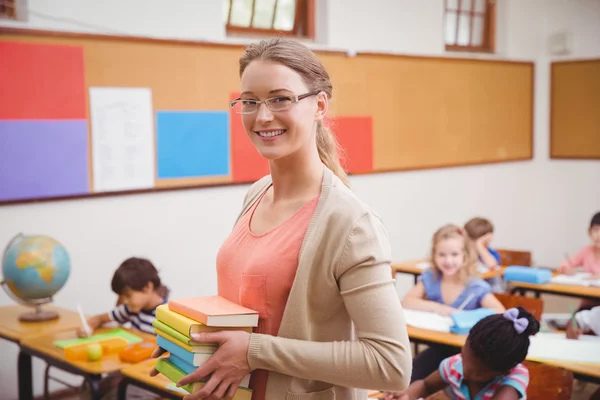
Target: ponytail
329	152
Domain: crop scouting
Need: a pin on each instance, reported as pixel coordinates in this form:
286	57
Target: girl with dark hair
489	365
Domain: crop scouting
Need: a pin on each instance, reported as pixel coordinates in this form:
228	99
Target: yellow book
191	349
188	326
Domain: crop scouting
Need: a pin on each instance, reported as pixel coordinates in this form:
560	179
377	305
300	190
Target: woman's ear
322	106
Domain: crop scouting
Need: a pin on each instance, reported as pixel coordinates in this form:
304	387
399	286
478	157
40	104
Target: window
470	25
271	17
8	9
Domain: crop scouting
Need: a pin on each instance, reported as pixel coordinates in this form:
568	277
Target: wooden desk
15	331
582	371
138	375
411	268
42	347
582	292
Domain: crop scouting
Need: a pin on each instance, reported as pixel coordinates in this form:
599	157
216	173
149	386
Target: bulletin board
92	115
574	109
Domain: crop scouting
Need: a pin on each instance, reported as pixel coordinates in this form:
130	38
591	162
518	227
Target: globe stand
38	315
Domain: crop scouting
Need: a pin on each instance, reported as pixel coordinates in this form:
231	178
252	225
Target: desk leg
25	378
122	390
95	387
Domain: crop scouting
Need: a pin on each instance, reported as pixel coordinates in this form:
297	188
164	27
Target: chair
514	257
533	305
548	382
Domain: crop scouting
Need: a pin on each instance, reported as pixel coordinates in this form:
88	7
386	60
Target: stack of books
180	318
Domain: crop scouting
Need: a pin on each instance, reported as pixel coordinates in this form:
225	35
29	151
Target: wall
542	205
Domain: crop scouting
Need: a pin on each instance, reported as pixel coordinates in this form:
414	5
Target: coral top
257	271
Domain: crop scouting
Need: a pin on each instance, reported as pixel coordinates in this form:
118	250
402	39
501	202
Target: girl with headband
489	365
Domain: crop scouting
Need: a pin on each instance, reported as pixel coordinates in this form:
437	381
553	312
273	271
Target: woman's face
277	134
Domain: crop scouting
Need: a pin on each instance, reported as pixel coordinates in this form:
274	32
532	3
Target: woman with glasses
305	253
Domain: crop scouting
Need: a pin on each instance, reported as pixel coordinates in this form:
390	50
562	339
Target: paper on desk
423	265
561	336
427	320
545	347
580	279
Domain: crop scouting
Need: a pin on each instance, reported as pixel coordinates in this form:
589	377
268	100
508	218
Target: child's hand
573	333
445	310
394	396
93	322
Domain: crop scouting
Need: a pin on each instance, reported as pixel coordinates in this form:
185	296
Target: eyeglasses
275	104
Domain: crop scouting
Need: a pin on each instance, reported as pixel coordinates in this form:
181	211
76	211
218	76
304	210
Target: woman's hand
224	370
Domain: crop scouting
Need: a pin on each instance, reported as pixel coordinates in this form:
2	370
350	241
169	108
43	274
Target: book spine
181	364
174	349
180	325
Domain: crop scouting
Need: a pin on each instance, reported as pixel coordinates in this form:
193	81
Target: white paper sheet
122	138
545	347
579	279
427	320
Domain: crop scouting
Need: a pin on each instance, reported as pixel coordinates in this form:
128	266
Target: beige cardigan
343	326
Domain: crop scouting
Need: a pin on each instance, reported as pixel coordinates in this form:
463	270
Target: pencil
573	320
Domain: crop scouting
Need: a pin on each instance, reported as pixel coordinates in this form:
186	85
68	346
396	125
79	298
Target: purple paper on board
41	159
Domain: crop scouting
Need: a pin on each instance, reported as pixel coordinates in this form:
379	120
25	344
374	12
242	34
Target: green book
161	326
175	374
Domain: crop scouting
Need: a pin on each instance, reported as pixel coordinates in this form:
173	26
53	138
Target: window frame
304	22
8	9
488	43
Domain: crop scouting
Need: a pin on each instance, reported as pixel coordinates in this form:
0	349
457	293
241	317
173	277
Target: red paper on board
41	81
247	165
355	135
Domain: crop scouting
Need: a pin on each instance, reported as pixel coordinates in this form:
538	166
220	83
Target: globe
35	268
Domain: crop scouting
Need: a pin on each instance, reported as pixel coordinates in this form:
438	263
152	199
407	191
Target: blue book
195	359
181	364
463	321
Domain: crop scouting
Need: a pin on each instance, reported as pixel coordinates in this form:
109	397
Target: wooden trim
472	49
143	39
91	196
490	27
311	13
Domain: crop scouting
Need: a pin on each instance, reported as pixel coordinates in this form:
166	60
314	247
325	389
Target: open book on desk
427	320
579	279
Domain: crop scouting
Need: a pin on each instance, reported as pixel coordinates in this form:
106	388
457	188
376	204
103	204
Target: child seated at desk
449	285
489	365
481	232
589	256
587	321
140	291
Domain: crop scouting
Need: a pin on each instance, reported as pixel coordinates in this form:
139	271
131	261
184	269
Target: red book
215	311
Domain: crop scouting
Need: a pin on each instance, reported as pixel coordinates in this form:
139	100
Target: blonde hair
469	267
301	59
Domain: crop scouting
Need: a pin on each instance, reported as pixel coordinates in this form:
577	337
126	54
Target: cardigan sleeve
381	358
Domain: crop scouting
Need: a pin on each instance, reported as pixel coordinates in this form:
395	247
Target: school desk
15	331
42	347
560	289
581	371
411	268
139	375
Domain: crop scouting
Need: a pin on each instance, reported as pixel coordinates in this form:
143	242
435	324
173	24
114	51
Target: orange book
215	311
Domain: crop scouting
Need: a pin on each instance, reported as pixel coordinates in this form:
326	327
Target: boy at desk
481	232
140	291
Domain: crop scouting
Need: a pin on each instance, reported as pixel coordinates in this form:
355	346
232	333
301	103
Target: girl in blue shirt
450	284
